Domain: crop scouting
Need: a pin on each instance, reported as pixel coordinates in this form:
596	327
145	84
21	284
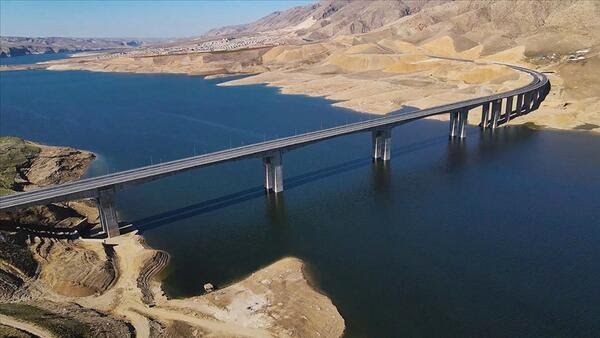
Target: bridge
496	109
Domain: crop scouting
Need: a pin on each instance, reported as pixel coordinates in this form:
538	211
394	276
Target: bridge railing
496	110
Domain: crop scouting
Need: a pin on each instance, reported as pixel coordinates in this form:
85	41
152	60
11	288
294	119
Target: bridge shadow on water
489	144
276	201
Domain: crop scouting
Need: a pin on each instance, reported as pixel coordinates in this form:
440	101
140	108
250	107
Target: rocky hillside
494	24
329	18
27	254
25	165
377	40
16	46
381	56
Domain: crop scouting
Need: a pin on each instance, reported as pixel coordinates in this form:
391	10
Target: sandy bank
274	301
376	77
109	288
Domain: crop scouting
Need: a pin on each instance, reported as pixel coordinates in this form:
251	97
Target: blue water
496	237
33	58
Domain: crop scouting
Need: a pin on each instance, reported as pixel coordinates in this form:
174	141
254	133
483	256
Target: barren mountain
329	18
15	46
380	56
396	37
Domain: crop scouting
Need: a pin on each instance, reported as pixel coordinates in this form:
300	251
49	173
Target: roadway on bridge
89	188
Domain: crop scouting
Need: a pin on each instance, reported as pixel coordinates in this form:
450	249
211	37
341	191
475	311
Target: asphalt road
88	188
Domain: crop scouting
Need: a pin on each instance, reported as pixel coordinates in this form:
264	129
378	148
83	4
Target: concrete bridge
495	110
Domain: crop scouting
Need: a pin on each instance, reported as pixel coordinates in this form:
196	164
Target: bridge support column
509	105
453	124
519	106
273	172
462	123
536	99
526	104
485	115
108	214
382	144
496	109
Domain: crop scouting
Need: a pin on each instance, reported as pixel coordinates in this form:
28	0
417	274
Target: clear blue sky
130	18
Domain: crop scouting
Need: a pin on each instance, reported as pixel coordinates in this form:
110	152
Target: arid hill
328	18
16	46
73	287
381	56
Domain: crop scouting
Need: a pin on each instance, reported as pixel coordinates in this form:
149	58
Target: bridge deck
89	188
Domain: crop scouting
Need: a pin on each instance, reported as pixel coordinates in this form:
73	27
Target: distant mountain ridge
543	27
328	18
16	46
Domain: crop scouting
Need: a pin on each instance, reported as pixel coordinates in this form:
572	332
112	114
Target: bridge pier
509	105
382	144
537	99
108	213
453	124
519	104
273	172
526	104
485	115
462	123
458	123
496	110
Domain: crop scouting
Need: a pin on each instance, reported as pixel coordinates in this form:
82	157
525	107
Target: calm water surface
32	58
497	237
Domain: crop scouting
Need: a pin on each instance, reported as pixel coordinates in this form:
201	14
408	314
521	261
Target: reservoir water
495	237
32	58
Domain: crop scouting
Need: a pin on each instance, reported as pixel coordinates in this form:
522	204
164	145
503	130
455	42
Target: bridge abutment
273	172
382	144
108	213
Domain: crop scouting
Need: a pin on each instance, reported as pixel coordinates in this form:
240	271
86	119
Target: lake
494	237
32	58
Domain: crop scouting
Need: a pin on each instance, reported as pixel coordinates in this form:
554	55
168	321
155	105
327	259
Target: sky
142	19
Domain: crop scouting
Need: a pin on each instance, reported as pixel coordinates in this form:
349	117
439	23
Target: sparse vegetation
60	325
14	154
7	331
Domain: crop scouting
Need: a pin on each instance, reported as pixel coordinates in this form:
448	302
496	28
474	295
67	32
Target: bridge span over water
495	110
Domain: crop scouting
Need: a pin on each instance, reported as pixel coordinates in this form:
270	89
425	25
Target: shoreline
231	304
301	81
118	279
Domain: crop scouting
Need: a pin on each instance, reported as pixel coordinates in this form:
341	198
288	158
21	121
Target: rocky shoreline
109	288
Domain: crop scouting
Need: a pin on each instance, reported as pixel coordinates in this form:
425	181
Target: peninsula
55	281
